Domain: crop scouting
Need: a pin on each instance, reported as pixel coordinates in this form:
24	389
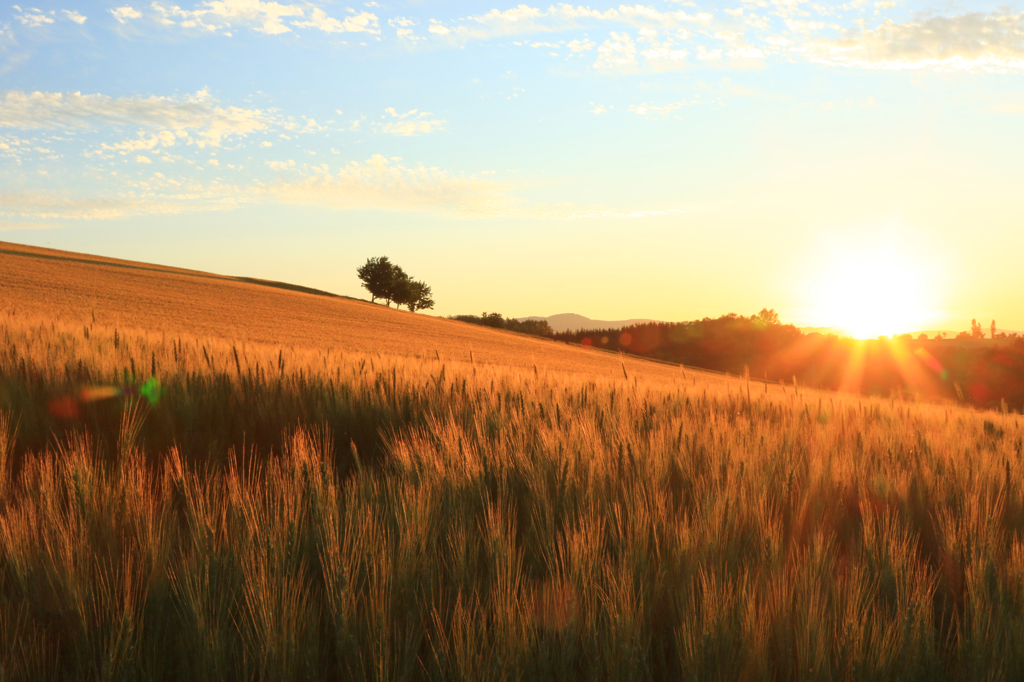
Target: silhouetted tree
492	320
992	328
378	276
383	279
534	327
768	317
414	294
486	319
976	331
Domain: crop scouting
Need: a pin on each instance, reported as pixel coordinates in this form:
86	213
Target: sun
868	294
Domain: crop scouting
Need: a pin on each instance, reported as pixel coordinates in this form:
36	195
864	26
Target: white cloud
746	52
599	109
281	165
662	110
797	26
271	18
663	54
578	45
32	17
524	19
413	122
966	42
198	112
74	16
164	138
403	28
142	159
385	184
123	14
362	22
219	15
618	52
705	54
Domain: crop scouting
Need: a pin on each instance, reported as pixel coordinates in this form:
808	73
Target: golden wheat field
338	502
43	284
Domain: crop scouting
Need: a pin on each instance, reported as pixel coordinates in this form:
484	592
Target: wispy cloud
123	14
59	205
663	110
32	17
524	19
74	16
618	53
386	184
12	225
966	42
378	183
410	123
362	22
223	16
197	114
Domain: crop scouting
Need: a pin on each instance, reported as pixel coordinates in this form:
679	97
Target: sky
846	163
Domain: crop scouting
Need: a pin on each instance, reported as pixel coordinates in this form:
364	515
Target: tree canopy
413	294
385	280
378	276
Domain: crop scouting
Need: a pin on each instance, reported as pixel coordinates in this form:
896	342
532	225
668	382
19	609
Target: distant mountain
570	322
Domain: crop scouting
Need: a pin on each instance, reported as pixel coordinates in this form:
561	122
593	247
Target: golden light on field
873	293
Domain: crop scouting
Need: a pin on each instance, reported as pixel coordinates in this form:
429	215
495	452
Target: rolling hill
79	288
570	322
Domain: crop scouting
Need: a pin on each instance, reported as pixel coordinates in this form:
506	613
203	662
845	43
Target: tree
768	317
492	320
976	331
378	276
383	279
993	329
414	294
534	327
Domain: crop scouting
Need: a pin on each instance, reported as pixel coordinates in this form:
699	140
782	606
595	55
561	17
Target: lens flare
70	406
931	363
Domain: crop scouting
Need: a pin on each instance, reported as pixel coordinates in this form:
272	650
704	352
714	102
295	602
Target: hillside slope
48	284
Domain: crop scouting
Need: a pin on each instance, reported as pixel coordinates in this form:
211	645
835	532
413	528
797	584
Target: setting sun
872	294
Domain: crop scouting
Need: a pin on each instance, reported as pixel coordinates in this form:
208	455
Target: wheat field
323	511
39	285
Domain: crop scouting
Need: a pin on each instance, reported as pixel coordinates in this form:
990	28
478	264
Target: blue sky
668	160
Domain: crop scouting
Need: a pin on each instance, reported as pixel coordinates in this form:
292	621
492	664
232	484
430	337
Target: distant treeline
984	372
534	327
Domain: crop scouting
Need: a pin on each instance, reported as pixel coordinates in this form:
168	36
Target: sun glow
870	294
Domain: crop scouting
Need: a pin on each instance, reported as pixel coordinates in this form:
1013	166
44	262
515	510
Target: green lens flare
151	390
